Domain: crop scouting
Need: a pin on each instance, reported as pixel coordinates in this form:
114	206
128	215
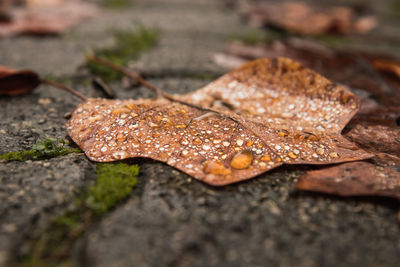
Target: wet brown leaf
376	138
353	179
46	17
302	18
353	69
16	82
267	113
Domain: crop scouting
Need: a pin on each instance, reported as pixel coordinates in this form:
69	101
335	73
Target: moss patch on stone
44	149
116	4
114	183
332	40
250	38
66	80
394	7
183	74
257	37
128	46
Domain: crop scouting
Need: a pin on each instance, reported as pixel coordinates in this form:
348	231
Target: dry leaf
305	19
260	116
16	82
353	179
46	17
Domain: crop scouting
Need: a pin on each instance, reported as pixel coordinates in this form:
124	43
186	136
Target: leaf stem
145	83
65	88
130	74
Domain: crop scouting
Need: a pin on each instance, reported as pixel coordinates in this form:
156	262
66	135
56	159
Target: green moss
66	80
114	183
256	37
332	40
394	8
116	4
250	38
184	74
44	149
203	76
128	46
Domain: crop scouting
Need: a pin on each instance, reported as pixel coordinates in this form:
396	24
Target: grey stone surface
32	192
171	219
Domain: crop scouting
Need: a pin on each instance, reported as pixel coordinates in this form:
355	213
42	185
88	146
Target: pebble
44	101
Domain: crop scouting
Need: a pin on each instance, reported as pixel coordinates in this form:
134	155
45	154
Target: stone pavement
171	219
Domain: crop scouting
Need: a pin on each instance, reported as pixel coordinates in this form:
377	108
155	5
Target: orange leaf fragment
230	130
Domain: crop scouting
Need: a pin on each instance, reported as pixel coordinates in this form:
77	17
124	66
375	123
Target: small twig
128	73
142	81
98	83
65	88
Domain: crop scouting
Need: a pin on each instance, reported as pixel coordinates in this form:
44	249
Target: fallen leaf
375	115
355	70
353	179
302	18
376	138
46	17
267	113
16	82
